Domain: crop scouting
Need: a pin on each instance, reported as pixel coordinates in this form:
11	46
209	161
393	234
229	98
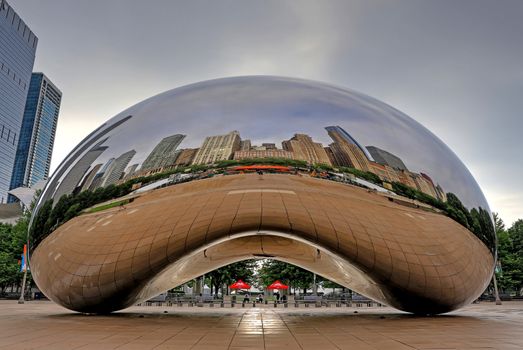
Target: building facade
386	158
164	153
75	175
268	153
304	148
216	148
35	145
186	156
346	150
117	168
17	54
245	145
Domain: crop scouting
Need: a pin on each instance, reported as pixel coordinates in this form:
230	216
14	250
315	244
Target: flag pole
21	300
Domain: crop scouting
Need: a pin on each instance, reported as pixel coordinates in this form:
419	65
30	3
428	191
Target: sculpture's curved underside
386	209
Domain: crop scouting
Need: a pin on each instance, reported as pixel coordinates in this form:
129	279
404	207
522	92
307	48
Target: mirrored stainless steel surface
389	204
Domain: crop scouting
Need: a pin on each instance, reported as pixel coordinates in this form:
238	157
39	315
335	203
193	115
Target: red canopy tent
277	168
278	285
239	285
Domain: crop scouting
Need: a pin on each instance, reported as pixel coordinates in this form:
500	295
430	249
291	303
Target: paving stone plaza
45	325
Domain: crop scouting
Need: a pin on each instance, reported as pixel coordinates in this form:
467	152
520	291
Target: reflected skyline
344	151
284	107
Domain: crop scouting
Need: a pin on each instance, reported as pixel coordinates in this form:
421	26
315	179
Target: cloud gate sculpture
224	170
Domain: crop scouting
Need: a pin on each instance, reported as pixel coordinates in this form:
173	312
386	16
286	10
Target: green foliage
107	206
12	240
229	274
262	161
291	275
477	220
323	167
365	175
412	193
510	256
50	216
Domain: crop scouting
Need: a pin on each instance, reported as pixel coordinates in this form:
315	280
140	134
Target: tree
228	274
499	225
510	255
12	240
293	276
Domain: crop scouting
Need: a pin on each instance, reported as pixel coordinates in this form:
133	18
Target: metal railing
265	304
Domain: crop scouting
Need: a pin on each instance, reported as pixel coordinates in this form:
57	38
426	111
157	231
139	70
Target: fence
265	304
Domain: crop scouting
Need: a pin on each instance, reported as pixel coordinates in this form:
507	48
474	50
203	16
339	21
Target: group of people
260	297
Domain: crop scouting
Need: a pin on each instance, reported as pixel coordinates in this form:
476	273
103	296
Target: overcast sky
454	66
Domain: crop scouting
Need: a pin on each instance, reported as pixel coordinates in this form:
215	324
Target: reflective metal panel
191	167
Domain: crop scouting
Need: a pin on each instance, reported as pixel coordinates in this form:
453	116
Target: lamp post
496	292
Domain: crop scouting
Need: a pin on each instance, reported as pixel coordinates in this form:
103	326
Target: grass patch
107	206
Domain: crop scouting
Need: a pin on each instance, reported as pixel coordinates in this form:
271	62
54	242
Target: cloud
453	66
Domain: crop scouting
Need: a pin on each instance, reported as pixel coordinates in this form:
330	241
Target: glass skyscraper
17	54
35	145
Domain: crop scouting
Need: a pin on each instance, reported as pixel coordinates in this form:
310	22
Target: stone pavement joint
45	325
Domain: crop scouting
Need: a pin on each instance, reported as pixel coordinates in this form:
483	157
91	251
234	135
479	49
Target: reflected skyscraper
304	148
245	145
131	170
99	176
266	153
116	170
386	158
88	180
17	54
219	147
75	175
186	156
385	172
35	146
91	139
346	150
164	154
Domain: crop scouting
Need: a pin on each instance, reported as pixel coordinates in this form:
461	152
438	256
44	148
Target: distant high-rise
186	156
348	138
88	180
100	175
386	158
424	184
385	172
69	183
304	148
442	196
269	145
245	145
268	153
346	150
216	148
116	170
164	153
17	54
131	170
35	145
95	137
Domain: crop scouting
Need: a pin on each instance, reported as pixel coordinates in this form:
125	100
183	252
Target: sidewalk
44	325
